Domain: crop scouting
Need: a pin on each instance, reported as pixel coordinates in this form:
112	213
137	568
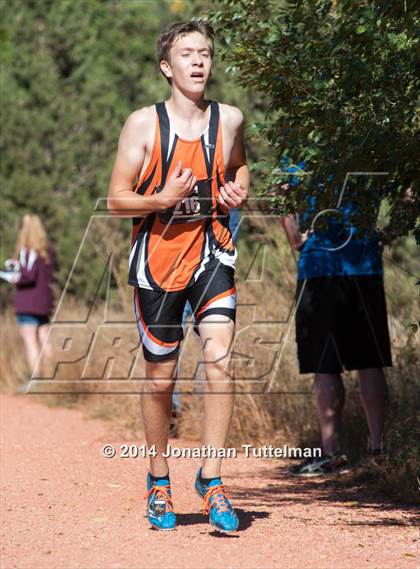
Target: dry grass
273	404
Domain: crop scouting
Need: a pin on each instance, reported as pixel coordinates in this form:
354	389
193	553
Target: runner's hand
232	195
179	185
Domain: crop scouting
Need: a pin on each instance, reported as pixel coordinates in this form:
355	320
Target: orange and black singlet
170	249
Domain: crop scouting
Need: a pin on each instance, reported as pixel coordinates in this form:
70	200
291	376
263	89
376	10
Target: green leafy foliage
72	73
341	88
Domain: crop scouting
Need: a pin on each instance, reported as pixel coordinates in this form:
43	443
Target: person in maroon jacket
31	271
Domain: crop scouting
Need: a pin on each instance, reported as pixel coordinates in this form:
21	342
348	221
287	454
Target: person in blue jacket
341	317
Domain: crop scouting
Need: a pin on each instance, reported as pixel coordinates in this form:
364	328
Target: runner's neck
190	119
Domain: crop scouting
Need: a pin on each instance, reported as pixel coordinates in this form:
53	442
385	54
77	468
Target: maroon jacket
33	290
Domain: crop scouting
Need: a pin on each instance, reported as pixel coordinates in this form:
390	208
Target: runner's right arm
122	201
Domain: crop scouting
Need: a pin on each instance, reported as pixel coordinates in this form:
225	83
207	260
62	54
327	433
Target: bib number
195	207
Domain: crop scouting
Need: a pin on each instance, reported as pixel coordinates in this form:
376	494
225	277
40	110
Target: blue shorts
32	319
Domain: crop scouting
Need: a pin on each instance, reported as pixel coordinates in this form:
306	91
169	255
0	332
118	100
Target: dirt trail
66	506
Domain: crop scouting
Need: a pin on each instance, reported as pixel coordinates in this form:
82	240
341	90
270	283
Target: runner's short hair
179	29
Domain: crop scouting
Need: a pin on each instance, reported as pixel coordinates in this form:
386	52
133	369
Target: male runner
185	160
341	322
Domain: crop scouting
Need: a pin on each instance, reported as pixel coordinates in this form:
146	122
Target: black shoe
375	459
321	466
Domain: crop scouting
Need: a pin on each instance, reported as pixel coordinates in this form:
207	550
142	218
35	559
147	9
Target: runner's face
190	62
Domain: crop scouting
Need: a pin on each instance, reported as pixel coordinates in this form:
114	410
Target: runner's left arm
235	191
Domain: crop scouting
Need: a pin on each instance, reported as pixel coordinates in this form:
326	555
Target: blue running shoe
160	510
217	505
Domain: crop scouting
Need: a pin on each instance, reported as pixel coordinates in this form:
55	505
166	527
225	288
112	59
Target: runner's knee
217	363
160	376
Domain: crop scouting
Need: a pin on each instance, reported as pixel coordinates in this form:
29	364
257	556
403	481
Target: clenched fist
179	186
232	195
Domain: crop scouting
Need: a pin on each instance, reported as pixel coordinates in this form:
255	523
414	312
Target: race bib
198	205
